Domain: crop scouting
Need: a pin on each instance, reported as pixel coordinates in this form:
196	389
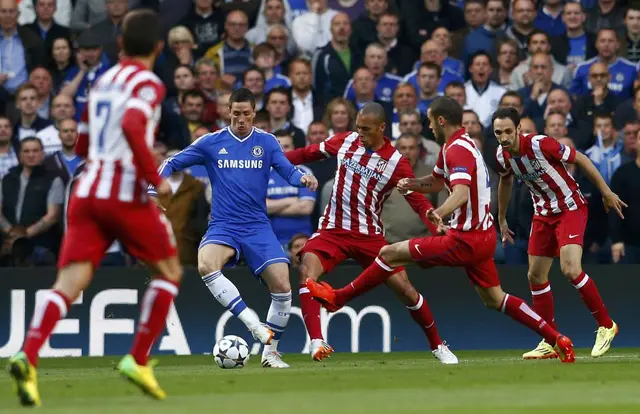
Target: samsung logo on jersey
239	163
356	167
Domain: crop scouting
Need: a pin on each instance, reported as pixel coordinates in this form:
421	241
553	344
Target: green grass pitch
367	383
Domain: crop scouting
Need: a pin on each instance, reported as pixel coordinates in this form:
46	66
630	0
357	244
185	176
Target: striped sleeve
461	165
438	170
504	169
553	150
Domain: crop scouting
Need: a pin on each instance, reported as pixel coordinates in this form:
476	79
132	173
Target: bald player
369	169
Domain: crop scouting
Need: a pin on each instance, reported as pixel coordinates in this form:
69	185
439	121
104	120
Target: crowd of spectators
570	69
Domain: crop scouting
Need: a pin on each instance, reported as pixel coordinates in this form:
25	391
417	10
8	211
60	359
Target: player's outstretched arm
188	157
315	152
609	198
288	171
458	197
504	196
425	185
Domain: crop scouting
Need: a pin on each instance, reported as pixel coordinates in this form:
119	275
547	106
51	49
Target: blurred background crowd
570	69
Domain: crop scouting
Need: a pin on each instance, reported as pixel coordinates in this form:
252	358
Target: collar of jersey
241	139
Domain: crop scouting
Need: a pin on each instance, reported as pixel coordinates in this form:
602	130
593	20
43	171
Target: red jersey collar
127	61
459	133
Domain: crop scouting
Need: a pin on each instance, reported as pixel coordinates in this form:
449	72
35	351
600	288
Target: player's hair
24	87
431	66
141	32
478	54
511	94
263	49
603	115
242	95
193	93
30	139
447	108
375	109
506	113
454	84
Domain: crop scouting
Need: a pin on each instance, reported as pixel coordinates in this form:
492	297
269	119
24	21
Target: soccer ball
231	352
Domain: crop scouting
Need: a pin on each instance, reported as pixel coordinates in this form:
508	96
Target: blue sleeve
192	155
282	165
305	193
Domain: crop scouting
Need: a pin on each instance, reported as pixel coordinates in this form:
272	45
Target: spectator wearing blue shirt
484	37
90	66
375	60
443	38
20	49
428	80
432	52
606	152
264	56
289	208
575	45
623	73
549	18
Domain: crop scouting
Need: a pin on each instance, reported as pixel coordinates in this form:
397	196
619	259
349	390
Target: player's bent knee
571	270
387	253
536	278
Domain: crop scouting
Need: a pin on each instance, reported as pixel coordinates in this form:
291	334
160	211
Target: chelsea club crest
257	151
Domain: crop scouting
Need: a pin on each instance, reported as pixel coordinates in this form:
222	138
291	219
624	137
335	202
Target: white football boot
444	355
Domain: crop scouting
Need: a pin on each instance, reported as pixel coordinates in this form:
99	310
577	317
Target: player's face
506	132
369	129
437	128
242	115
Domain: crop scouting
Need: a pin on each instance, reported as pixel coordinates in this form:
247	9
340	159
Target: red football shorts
93	225
472	250
550	233
335	246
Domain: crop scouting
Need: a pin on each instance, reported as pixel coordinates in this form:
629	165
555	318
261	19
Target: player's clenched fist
310	182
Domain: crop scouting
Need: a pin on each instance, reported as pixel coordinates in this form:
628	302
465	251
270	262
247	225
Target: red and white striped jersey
460	162
363	181
117	131
541	167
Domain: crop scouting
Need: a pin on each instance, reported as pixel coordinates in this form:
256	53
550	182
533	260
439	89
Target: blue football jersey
285	227
623	74
384	89
238	170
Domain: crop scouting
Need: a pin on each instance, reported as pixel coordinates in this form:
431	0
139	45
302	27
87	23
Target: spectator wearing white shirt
312	30
306	108
483	95
274	13
62	15
61	108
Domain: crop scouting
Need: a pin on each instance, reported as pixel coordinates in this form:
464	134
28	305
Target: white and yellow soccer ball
231	352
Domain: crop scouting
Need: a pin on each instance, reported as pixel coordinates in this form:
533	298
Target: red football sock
374	275
421	313
517	309
153	316
53	307
542	299
310	313
591	297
